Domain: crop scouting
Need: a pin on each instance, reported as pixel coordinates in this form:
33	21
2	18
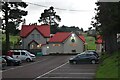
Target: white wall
55	49
28	39
99	48
79	45
66	47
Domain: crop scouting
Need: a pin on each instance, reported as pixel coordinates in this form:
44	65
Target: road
50	68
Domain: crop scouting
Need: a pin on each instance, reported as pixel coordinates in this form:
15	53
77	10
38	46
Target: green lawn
109	67
90	42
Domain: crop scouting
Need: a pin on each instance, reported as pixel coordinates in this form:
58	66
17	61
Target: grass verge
109	67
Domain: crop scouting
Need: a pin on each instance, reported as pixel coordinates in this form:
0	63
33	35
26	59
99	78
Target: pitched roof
82	38
62	36
32	42
42	29
99	39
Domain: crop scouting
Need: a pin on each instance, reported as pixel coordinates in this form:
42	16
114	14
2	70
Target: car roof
18	50
86	52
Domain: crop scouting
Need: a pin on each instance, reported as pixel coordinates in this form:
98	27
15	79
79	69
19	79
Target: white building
65	43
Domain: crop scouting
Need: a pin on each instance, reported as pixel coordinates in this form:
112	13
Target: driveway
51	68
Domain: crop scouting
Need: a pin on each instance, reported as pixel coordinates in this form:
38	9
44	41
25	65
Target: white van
23	55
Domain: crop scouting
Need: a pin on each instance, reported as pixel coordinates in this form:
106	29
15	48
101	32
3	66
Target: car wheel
28	60
74	62
93	61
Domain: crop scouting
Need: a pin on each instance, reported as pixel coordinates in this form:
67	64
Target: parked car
11	61
84	58
92	52
3	62
22	54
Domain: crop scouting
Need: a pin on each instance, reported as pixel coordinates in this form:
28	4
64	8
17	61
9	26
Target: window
82	55
56	44
16	53
88	54
22	53
38	36
32	36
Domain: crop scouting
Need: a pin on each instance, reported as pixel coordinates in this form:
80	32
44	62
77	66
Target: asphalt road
50	68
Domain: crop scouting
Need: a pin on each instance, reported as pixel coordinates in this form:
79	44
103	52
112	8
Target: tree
13	30
49	17
107	23
64	28
89	28
82	29
12	15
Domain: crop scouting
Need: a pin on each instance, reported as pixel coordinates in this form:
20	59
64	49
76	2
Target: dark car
84	58
11	61
3	62
92	52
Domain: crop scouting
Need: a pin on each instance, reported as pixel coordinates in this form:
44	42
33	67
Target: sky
80	17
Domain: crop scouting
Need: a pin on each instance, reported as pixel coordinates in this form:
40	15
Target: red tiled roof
27	29
82	38
62	36
99	39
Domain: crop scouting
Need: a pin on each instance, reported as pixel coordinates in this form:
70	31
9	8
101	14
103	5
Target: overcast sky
81	17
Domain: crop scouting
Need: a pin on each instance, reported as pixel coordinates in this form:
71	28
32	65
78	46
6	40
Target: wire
57	8
36	4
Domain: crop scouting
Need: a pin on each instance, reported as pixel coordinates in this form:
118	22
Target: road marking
73	73
68	77
25	65
50	71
